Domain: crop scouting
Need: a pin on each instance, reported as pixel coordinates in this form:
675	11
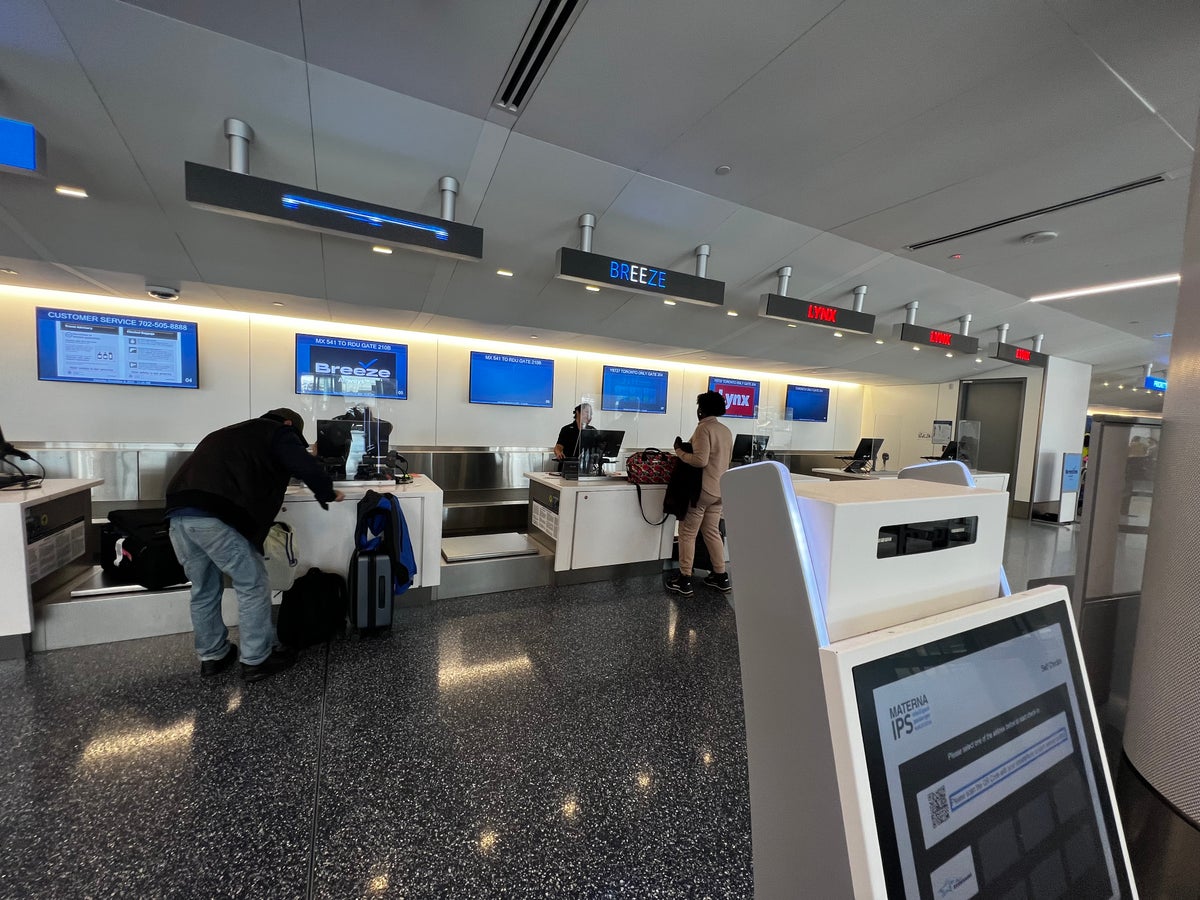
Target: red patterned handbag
651	466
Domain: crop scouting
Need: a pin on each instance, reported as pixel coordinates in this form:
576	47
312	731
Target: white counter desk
993	481
43	534
595	522
325	538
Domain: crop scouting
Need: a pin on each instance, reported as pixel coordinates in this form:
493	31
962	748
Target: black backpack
135	547
313	609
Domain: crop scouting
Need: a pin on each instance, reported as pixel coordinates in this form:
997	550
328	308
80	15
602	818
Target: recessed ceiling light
724	170
1106	384
593	288
668	303
1160	393
277	303
1107	288
9	272
1120	387
949	356
67	191
838	334
915	347
534	337
379	248
879	341
1134	390
978	359
791	324
1038	237
731	312
504	272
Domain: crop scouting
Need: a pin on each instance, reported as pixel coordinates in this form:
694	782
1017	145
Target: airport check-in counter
951	727
325	538
994	481
594	522
43	544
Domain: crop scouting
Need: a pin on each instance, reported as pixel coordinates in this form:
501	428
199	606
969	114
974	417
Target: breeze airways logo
330	361
910	715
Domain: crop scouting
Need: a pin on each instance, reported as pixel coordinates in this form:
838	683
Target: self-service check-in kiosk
911	733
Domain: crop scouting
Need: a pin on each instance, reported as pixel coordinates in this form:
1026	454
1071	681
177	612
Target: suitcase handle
383	587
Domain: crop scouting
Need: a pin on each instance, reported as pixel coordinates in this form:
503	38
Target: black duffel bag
135	547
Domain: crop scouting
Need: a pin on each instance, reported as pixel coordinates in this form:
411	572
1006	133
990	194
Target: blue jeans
206	548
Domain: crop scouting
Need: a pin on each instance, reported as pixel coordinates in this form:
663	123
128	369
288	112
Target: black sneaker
211	667
276	662
680	584
719	580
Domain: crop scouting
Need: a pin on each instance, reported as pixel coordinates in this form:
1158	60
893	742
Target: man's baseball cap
283	414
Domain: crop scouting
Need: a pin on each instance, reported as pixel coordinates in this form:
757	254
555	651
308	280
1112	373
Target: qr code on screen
939	808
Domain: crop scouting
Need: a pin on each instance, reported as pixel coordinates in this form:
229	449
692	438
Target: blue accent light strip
292	201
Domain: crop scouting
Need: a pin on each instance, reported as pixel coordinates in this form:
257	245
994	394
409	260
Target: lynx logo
741	398
330	361
909	716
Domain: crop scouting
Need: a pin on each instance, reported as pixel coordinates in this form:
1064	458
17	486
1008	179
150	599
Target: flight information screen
985	774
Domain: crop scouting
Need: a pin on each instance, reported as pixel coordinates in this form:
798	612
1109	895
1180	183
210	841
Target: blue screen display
350	367
633	390
806	403
18	145
100	348
501	379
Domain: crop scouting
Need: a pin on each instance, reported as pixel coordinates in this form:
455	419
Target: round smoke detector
1038	237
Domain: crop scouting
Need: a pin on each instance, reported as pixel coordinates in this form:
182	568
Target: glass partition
967	439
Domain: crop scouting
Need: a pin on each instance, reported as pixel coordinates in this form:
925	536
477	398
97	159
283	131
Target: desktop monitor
950	451
352	445
750	446
984	764
596	445
868	448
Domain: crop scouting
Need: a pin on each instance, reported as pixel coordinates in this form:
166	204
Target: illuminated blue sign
1156	384
22	149
292	201
597	270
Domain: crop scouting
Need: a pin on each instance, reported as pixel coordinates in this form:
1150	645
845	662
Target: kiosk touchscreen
985	774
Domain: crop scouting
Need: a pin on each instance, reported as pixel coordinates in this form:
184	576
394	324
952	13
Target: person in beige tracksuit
712	449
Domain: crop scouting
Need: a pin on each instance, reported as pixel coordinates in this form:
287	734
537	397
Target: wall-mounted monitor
100	348
806	403
501	379
633	390
349	367
985	766
741	397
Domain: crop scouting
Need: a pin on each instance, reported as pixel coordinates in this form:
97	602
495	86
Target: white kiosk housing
910	733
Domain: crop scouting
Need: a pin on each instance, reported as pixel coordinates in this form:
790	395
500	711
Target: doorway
997	405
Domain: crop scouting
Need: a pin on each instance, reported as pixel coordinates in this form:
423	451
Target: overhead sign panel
287	204
640	278
789	309
932	337
1156	384
22	148
1019	355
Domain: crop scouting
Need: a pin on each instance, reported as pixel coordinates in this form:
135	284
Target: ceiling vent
547	29
1067	204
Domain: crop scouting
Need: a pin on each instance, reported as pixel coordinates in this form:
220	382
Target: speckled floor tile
578	742
581	742
124	774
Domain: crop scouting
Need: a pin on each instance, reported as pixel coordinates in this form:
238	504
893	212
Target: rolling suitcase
371	590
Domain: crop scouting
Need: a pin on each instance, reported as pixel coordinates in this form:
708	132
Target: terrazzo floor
585	741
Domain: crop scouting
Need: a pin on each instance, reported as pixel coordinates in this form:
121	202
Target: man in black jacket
221	504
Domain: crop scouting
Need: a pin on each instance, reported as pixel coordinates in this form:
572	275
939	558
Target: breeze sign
640	278
348	367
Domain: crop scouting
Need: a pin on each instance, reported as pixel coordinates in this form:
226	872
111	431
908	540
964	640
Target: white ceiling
854	129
